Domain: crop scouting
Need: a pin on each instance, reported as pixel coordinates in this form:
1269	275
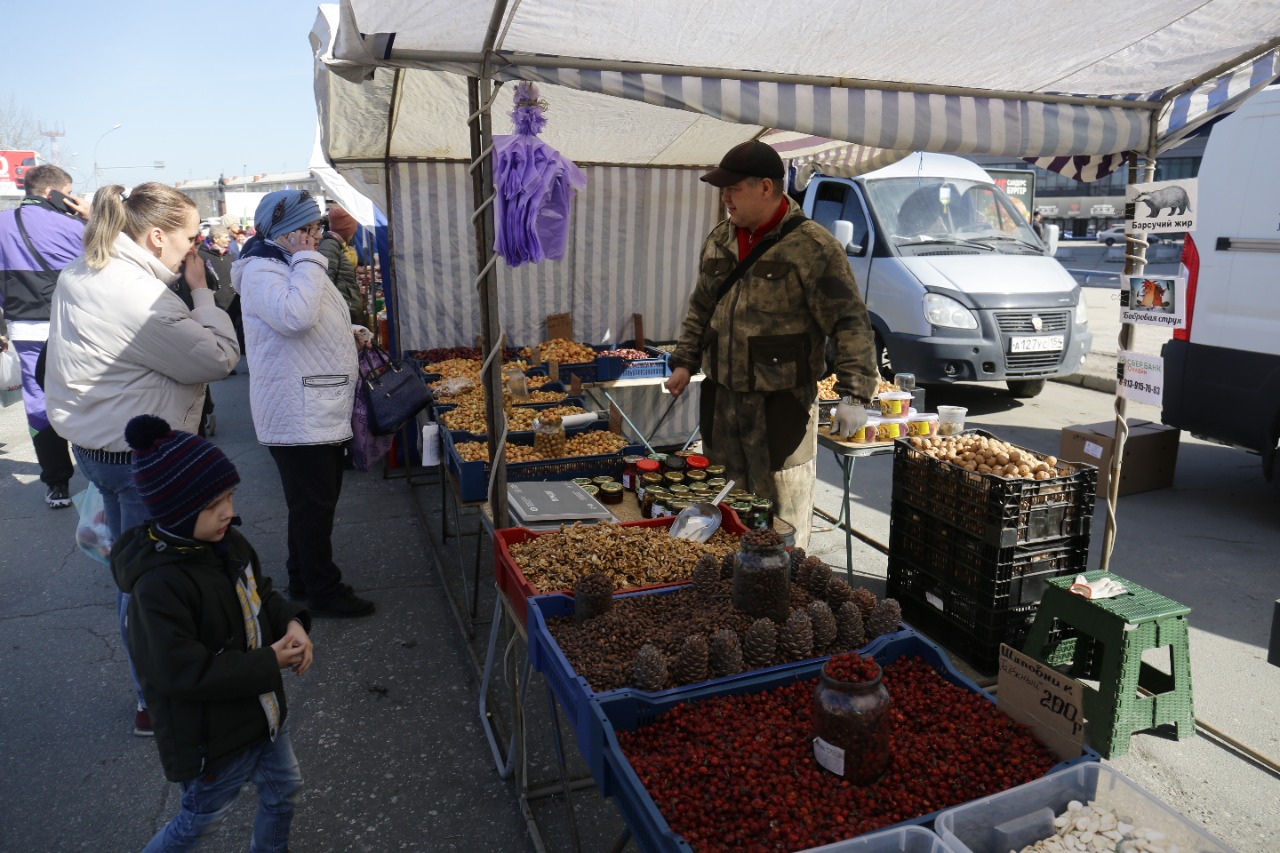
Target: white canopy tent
646	94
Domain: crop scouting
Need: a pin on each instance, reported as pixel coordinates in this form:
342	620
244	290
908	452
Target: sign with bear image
1153	300
1161	206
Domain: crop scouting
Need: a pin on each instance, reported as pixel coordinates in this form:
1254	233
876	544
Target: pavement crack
39	613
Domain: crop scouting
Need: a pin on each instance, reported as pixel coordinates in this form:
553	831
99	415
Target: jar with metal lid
582	481
715	483
673	478
679	491
676	505
742	509
699	462
853	724
602	479
695	475
661	506
762	576
714	470
701	491
630	471
650	500
646	481
762	514
658	457
738	494
611	493
675	463
591	490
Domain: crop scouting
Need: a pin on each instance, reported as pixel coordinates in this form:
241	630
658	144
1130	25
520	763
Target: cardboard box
1150	454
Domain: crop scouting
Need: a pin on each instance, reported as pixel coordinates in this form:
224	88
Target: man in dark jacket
209	638
342	269
37	240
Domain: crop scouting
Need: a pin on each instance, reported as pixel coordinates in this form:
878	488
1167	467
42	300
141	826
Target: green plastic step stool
1114	634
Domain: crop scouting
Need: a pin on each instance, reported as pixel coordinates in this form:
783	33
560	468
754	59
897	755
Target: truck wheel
882	359
1022	389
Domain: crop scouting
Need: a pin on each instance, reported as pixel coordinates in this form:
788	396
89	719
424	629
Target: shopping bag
10	378
367	448
92	534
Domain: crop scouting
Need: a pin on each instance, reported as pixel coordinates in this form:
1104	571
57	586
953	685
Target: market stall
409	111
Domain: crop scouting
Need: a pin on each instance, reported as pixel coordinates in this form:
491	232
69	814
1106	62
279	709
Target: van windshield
917	214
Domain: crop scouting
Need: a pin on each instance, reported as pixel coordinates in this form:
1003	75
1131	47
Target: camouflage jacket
769	332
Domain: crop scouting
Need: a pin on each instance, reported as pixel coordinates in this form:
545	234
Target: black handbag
394	393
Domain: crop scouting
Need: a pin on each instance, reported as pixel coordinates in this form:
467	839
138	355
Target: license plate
1043	343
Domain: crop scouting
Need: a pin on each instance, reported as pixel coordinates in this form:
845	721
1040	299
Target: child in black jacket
209	638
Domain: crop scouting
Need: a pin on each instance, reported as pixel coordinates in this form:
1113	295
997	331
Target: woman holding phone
302	384
121	343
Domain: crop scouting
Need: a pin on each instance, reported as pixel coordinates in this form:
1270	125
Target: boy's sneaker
345	604
142	723
58	497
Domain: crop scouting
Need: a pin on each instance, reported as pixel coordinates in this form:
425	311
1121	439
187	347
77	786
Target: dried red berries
852	666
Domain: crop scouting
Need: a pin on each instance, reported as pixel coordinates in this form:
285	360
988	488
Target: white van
1222	373
957	284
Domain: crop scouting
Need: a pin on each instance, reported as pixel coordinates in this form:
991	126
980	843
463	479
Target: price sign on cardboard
1050	703
560	326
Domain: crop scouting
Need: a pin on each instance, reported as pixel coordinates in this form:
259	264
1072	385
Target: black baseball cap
751	159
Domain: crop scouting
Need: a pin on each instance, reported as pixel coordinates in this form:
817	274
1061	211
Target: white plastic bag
10	378
92	534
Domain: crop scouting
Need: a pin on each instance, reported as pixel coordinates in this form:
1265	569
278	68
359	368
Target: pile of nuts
827	388
631	556
989	456
473	353
562	351
1095	829
628	354
471	417
593	443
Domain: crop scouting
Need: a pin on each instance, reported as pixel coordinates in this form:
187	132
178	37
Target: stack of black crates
970	554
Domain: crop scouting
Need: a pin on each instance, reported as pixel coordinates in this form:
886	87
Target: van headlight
942	310
1082	312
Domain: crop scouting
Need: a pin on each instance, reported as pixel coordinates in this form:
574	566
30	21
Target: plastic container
1013	819
904	839
866	434
951	419
922	425
904	382
890	429
894	404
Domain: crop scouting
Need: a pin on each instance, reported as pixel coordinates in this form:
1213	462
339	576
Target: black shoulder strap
754	255
31	247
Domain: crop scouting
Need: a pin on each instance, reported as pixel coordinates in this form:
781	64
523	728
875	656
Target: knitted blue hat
177	474
283	211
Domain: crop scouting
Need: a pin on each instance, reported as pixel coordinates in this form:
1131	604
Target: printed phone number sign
1140	377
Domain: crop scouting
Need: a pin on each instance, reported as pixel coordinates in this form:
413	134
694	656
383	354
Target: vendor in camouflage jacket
763	344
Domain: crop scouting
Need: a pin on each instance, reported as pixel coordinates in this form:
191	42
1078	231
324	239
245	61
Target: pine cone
726	653
650	670
885	619
838	592
795	641
824	625
761	644
850	632
706	576
819	577
592	597
797	558
866	601
800	572
726	566
691	664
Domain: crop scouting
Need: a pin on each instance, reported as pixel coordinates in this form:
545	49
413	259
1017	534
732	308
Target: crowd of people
122	311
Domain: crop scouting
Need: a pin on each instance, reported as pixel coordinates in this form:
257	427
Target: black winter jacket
188	643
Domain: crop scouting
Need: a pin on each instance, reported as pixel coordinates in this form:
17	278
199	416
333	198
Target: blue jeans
272	767
124	508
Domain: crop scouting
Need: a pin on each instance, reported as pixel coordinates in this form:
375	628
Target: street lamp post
96	171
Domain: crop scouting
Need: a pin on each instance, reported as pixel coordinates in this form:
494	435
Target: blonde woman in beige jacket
121	343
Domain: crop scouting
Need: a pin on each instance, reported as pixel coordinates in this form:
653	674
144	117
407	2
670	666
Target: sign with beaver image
1040	697
1153	300
1161	206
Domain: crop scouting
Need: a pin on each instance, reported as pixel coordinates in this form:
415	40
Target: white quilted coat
302	357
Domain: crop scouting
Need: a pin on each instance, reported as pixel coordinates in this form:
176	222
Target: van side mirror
1051	237
844	236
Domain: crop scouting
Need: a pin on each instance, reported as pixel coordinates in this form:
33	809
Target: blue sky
207	87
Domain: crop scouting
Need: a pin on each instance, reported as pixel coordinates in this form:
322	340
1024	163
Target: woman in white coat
302	383
121	344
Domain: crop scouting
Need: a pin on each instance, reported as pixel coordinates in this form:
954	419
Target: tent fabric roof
662	82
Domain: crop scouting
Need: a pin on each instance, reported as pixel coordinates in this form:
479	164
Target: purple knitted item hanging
534	185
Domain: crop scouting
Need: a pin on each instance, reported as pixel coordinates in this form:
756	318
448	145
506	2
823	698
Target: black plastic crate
955	557
1002	512
980	645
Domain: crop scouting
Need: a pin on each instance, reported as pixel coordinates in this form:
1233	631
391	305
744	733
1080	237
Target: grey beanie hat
283	211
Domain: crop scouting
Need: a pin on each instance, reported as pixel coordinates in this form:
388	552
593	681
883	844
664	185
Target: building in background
239	196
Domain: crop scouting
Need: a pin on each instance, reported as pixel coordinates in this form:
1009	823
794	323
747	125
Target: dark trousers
54	456
311	475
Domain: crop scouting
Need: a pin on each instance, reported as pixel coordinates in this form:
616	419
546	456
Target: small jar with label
630	471
648	480
761	514
698	463
594	491
742	509
677	504
673	478
715	483
611	493
679	491
602	480
660	458
661	506
714	470
695	475
652	497
582	481
676	464
739	495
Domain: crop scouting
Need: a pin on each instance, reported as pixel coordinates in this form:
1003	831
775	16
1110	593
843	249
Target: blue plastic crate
625	712
574	692
473	477
610	367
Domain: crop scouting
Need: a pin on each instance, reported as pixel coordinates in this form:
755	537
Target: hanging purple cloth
535	186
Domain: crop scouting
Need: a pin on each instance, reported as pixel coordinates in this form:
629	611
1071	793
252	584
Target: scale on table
547	505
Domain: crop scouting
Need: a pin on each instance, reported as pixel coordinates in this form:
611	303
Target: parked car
1115	234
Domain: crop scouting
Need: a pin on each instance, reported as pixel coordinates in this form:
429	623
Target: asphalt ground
387	725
